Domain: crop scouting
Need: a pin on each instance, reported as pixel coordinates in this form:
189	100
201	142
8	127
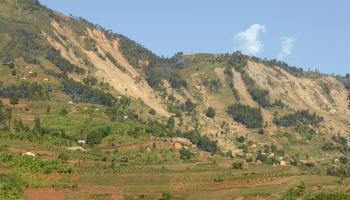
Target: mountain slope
66	83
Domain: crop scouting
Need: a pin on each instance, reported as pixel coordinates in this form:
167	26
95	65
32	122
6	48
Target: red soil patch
44	194
6	102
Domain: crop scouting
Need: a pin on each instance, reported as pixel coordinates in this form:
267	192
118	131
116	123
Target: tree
48	110
170	123
2	113
166	196
261	131
185	154
8	114
343	160
63	156
11	65
37	124
250	117
64	111
210	112
14	100
152	111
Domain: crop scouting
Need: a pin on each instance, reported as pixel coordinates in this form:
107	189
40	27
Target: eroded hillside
84	99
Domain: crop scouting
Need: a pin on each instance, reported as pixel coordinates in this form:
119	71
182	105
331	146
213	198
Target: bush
95	136
185	154
166	196
170	123
188	106
250	117
11	187
295	193
213	85
237	165
261	131
329	146
152	111
63	156
210	112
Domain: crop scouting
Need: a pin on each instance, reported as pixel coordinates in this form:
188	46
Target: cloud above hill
248	39
286	47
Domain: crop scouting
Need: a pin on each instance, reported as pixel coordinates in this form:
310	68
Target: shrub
210	112
95	136
213	85
295	193
11	187
237	165
170	123
63	156
329	146
166	196
152	111
261	131
185	154
188	106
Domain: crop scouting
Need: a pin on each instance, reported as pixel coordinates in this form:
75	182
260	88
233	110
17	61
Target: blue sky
308	34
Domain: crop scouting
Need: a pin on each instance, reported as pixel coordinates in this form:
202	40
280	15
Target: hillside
102	117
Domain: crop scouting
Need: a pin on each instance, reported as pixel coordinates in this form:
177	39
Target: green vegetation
24	90
296	71
105	142
328	195
250	117
115	62
228	72
83	93
213	85
295	193
11	187
300	192
258	94
237	60
186	154
302	117
202	142
64	65
210	112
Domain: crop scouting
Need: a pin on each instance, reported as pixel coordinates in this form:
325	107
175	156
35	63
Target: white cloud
250	44
287	46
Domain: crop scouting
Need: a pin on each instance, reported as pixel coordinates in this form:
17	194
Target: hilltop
95	106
